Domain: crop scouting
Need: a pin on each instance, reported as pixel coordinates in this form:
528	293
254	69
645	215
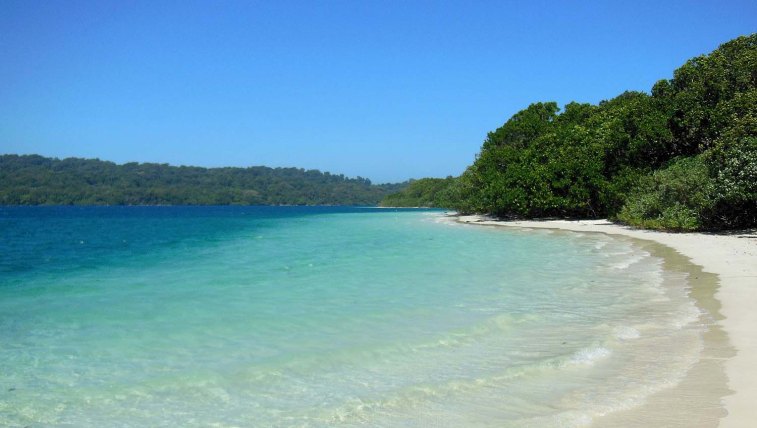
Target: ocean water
320	317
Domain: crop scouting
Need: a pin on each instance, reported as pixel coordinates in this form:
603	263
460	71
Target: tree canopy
681	158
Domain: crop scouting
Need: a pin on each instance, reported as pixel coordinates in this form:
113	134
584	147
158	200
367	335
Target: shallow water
250	316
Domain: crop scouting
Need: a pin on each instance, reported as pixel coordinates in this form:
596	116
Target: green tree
683	158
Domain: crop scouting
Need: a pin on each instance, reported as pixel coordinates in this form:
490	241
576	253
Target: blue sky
387	90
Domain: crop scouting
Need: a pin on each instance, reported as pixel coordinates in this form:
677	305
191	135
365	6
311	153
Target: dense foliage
35	180
426	192
682	158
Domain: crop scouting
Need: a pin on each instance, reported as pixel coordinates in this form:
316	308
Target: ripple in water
327	316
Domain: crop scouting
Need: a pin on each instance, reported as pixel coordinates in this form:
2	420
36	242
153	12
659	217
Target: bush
733	164
680	197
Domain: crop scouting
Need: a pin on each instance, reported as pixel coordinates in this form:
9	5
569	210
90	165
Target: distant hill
38	180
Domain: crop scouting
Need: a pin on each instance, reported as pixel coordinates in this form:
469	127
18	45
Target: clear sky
387	90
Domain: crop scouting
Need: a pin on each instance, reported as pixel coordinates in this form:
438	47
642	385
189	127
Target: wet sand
723	385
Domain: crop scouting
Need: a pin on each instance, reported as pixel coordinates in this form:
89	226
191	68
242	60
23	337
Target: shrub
680	197
733	164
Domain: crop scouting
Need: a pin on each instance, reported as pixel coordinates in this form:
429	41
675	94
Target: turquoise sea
327	316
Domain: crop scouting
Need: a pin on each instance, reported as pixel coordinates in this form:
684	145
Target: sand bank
733	258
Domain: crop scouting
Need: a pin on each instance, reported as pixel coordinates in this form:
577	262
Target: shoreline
732	258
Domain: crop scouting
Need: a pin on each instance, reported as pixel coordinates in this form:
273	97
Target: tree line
682	157
37	180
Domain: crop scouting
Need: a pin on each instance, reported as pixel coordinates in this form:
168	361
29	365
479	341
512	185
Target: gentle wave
320	319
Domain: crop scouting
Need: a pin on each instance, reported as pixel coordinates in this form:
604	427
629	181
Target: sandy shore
733	258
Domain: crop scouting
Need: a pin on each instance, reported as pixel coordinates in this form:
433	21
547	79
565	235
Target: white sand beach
733	258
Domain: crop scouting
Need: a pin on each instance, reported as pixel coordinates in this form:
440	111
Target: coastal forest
426	192
37	180
682	157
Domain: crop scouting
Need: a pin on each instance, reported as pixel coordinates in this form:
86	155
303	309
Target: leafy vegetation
426	192
679	197
35	180
682	158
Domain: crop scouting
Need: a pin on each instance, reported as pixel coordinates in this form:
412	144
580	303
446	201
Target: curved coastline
732	262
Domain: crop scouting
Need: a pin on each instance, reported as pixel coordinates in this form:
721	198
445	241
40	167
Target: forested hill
683	157
37	180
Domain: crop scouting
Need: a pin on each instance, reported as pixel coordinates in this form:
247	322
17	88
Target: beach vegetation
680	197
682	157
426	192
